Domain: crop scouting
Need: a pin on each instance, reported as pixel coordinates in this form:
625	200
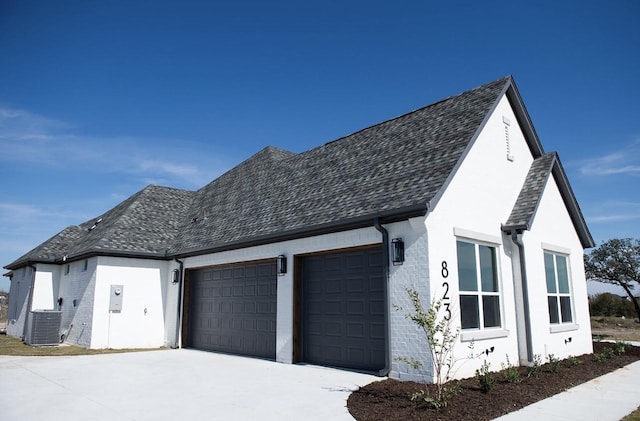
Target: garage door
343	312
232	308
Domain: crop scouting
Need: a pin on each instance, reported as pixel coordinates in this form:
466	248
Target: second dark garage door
343	309
232	308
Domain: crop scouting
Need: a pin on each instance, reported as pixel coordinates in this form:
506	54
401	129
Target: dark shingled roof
524	211
527	203
391	171
385	170
145	224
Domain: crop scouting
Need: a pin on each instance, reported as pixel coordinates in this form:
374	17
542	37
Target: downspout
515	237
385	268
177	342
27	315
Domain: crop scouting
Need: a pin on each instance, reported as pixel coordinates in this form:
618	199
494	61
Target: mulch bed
390	399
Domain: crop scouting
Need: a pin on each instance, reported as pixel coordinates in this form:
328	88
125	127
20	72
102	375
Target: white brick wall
18	301
77	292
407	340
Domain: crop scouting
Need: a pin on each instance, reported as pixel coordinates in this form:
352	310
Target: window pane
488	270
549	270
467	278
553	310
565	309
563	276
469	312
491	308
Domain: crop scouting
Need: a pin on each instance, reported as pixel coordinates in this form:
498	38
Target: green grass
14	346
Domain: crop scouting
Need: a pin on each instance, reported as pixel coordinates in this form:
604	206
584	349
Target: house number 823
446	300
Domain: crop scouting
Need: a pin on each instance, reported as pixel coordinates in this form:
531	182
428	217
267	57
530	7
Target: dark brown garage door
232	308
343	312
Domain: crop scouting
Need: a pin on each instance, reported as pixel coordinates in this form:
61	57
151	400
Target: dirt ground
390	399
615	328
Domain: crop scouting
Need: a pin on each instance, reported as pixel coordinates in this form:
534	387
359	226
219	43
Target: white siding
552	229
43	289
407	341
18	301
76	290
140	323
478	200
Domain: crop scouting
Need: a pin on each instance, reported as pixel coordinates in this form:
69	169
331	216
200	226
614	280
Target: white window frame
482	332
560	325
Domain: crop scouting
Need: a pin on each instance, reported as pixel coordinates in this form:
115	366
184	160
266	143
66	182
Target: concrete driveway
171	385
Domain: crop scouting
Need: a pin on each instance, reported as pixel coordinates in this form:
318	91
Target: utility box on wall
115	301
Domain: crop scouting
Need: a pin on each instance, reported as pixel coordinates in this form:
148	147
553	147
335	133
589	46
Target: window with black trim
479	286
85	265
558	291
66	269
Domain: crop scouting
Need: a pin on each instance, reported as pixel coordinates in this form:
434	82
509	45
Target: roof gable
524	210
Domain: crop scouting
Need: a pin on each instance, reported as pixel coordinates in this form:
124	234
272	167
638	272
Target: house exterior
306	257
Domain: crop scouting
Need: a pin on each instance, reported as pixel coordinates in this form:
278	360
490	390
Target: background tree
617	262
611	305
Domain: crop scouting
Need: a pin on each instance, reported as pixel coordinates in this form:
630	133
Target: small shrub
534	369
605	355
554	363
574	361
621	347
436	402
485	378
510	371
442	336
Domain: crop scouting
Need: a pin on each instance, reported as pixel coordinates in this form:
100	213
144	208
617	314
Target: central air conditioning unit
43	328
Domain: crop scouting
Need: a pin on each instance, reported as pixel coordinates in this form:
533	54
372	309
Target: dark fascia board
524	121
517	228
436	198
22	263
527	226
87	254
113	253
328	228
558	171
517	105
361	222
571	203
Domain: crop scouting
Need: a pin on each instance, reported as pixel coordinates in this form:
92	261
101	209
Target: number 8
444	271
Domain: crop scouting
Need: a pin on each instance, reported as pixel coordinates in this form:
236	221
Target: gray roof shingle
144	224
382	170
527	203
524	210
391	171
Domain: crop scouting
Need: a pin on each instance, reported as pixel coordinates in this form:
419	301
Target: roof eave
571	203
524	120
364	221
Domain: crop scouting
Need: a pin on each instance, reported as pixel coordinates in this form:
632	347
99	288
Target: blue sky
100	99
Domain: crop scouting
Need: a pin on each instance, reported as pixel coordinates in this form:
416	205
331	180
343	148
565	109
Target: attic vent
95	224
507	123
